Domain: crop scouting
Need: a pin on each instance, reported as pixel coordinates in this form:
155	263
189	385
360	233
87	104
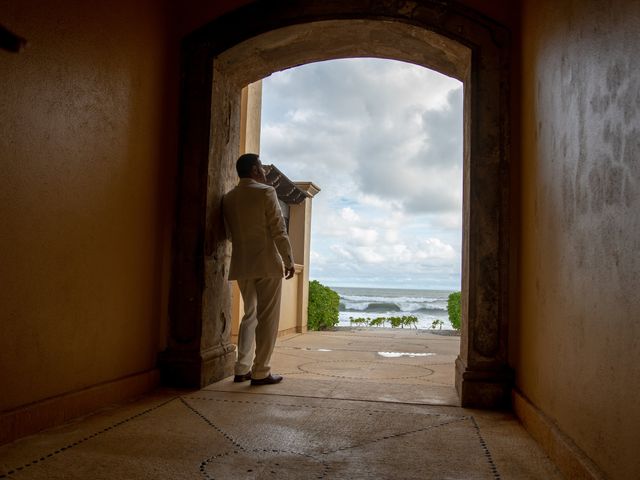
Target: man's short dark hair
244	164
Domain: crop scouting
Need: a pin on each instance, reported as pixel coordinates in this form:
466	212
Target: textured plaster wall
192	14
578	349
85	198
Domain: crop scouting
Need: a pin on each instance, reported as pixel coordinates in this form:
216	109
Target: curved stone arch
261	38
275	50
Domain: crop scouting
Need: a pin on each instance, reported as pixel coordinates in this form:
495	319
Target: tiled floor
344	411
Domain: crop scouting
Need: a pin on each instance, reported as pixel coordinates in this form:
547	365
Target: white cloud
363	236
391	236
383	140
341	252
349	215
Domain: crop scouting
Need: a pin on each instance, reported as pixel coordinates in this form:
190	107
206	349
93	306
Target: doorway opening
383	140
257	40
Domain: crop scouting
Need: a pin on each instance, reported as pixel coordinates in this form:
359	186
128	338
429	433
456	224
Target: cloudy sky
383	140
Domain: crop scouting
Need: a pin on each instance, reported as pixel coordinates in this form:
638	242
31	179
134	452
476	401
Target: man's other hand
288	272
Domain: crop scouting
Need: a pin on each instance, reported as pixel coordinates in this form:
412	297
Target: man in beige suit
258	233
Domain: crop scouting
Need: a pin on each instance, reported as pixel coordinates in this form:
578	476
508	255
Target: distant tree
453	308
437	323
408	320
396	322
377	322
324	305
358	321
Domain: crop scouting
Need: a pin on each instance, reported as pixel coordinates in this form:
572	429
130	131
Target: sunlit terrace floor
354	404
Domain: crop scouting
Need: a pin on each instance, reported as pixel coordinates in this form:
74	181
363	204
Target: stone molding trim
289	331
567	456
264	36
55	411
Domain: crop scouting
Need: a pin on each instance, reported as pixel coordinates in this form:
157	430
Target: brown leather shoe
242	378
270	380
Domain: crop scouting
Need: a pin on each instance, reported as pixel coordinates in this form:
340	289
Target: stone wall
577	353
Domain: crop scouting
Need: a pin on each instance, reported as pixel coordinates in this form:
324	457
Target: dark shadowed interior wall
191	14
88	152
578	350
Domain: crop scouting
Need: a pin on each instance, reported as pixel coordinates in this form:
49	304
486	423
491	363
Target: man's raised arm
278	231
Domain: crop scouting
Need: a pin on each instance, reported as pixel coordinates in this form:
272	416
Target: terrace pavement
355	403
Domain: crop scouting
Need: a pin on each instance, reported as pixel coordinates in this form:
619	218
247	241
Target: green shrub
408	320
396	322
453	308
358	321
323	307
437	323
377	322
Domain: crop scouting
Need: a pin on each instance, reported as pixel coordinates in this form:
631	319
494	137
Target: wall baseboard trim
281	333
567	456
35	417
287	331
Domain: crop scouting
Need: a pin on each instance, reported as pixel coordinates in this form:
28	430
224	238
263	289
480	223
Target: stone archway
253	42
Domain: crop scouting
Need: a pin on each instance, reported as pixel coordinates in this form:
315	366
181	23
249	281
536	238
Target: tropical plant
323	307
377	322
410	321
453	308
395	322
437	323
358	321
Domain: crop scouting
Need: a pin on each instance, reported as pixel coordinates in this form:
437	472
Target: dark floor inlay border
211	424
239	449
85	439
277	464
395	435
485	448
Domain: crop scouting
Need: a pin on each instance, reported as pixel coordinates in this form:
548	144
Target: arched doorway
254	41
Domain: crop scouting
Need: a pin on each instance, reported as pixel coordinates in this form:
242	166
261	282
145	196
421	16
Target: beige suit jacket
254	224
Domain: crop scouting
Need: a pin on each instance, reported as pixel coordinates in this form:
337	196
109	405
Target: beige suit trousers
259	325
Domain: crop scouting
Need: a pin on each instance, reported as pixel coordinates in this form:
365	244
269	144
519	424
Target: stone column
199	348
483	377
300	237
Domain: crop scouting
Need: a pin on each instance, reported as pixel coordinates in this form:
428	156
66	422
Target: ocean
426	305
